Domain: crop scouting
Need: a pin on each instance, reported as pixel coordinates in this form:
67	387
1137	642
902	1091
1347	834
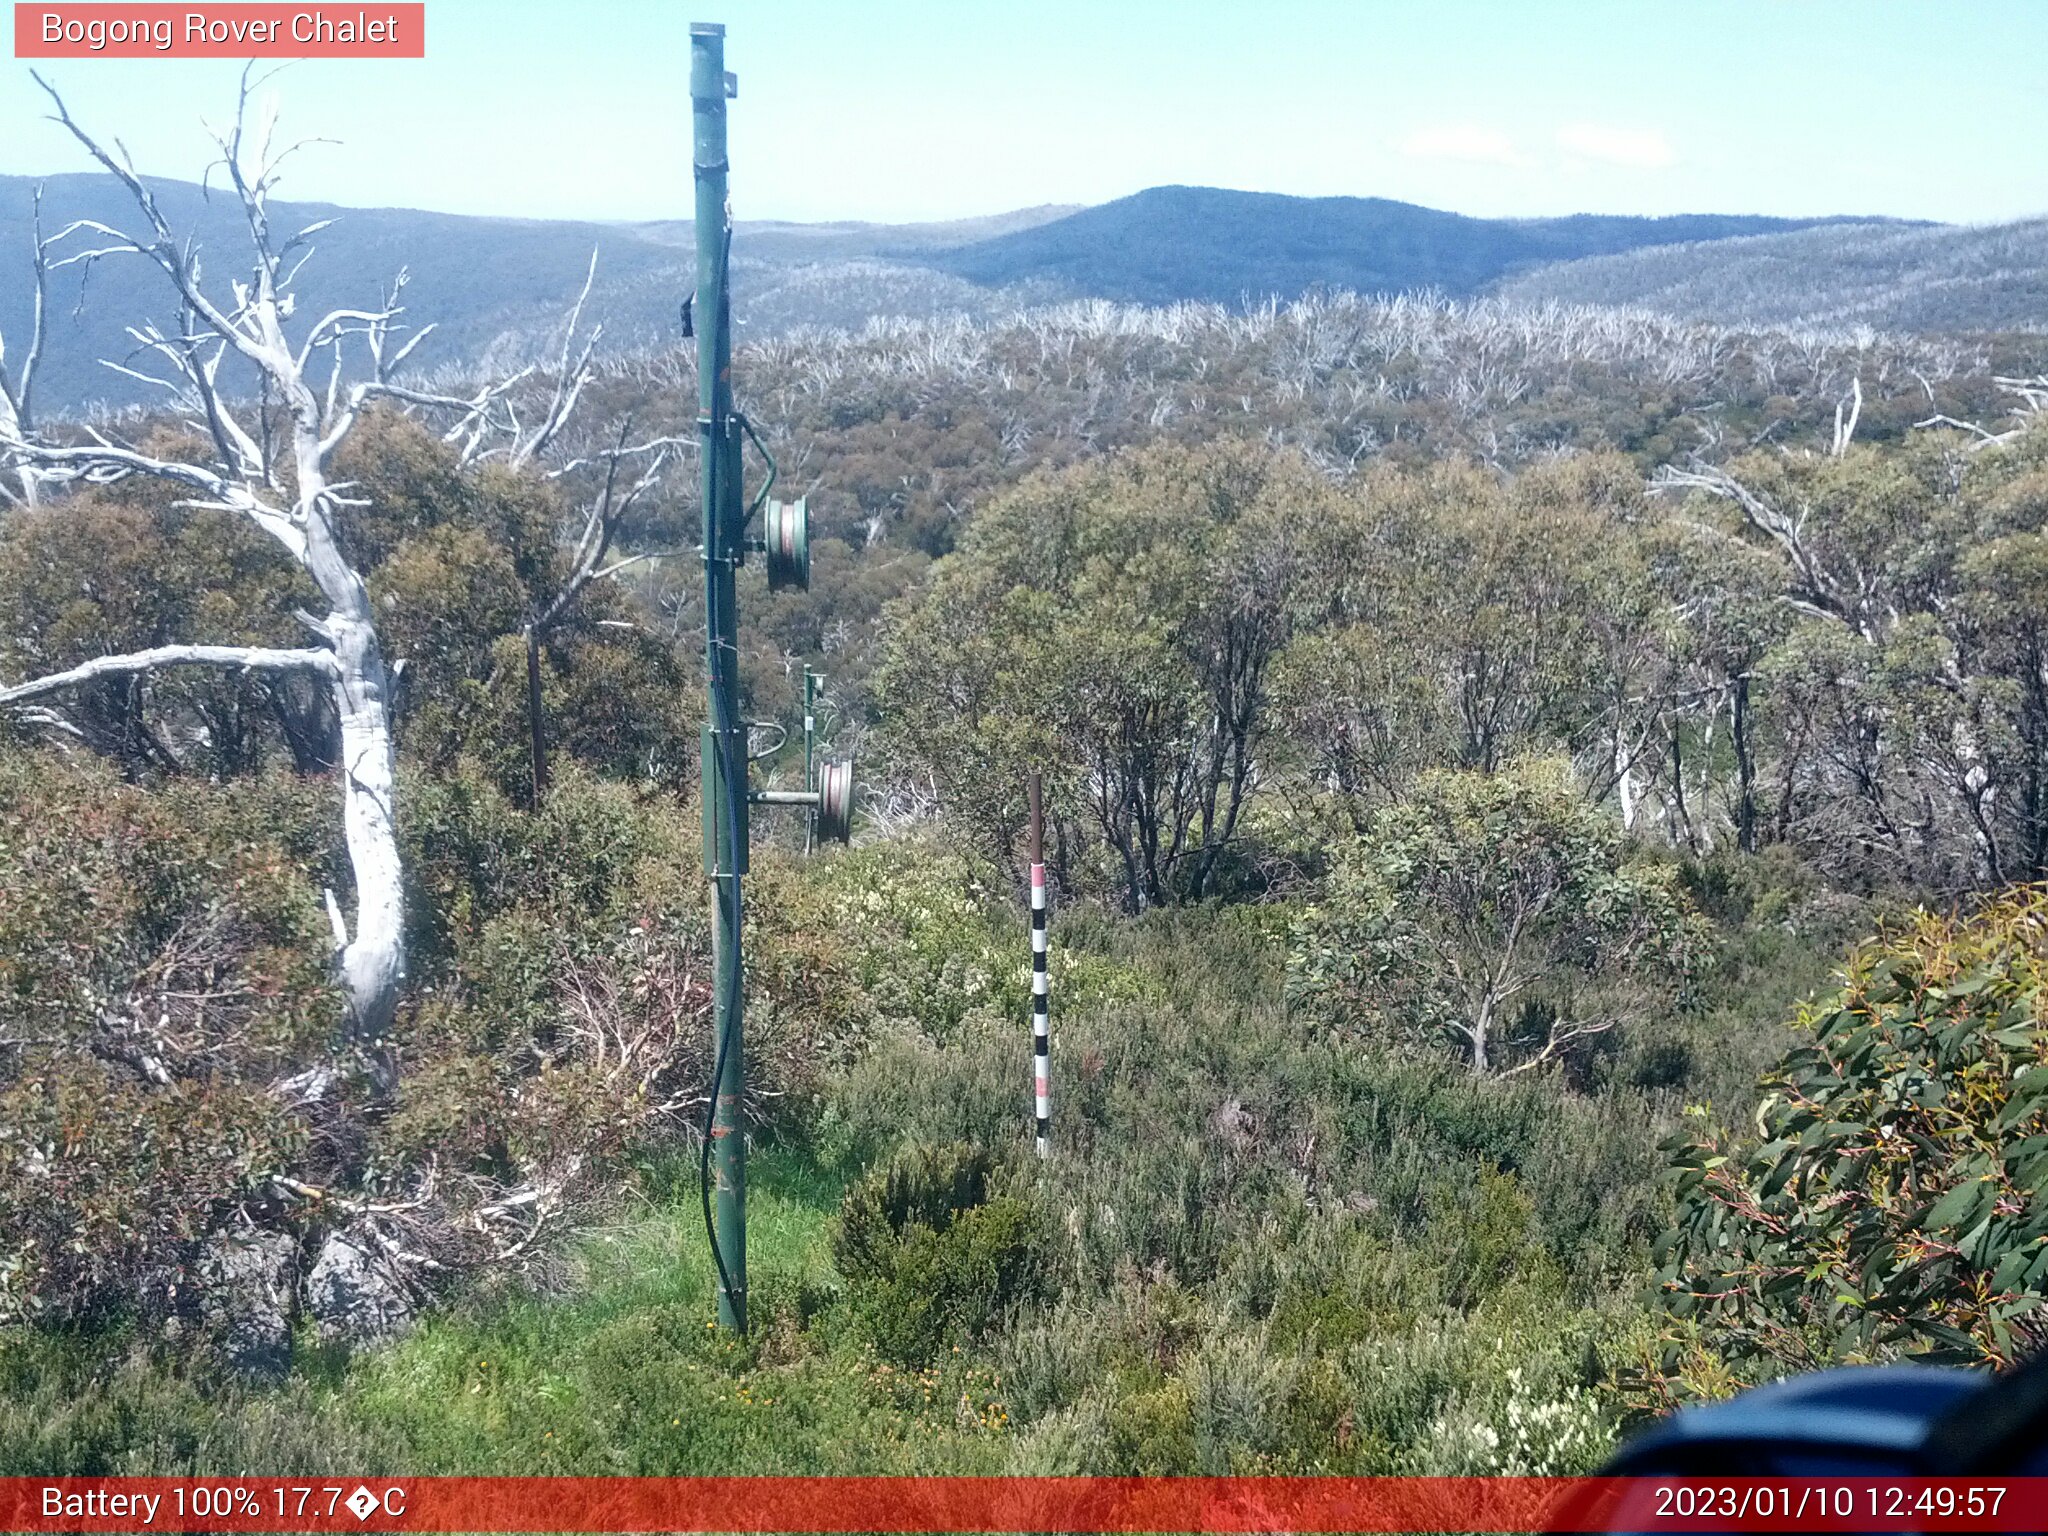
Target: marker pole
1041	1024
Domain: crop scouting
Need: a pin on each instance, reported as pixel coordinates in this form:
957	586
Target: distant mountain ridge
1888	276
490	286
496	289
1169	243
784	240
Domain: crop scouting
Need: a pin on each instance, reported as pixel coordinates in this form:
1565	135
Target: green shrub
1889	1204
1482	1233
593	852
162	961
935	1254
1499	914
1180	1381
165	964
916	927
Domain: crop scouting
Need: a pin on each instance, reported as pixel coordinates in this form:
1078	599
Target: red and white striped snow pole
1041	1026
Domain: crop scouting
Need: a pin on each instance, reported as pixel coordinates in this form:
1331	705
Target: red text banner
110	30
1019	1504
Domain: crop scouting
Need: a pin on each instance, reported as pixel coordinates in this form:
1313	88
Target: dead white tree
1860	596
2033	398
269	461
17	392
1848	411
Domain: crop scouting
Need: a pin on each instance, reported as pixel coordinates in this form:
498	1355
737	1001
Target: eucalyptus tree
268	398
1118	625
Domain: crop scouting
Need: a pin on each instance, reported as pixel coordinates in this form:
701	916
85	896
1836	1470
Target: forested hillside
1887	276
493	287
1206	243
1522	781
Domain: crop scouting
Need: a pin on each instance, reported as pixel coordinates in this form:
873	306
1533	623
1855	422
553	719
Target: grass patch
619	1372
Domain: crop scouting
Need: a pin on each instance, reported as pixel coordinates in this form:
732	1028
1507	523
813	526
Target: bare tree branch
569	381
1984	439
243	658
17	395
601	523
1819	592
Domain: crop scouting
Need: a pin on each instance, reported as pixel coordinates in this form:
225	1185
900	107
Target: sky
900	110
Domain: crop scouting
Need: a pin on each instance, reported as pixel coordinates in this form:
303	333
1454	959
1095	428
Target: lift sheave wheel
835	801
786	531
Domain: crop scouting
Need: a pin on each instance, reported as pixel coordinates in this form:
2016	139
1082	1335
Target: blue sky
923	109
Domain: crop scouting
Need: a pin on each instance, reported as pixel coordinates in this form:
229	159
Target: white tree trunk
1625	783
373	963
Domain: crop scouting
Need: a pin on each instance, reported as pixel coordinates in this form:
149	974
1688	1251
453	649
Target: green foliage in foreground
937	1253
1264	1246
621	1373
161	961
1891	1202
1257	1250
164	966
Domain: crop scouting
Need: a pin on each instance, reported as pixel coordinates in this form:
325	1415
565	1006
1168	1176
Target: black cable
722	707
730	960
725	1033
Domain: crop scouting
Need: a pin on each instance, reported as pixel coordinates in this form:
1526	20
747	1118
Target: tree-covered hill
495	289
1172	243
489	285
847	239
1887	276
